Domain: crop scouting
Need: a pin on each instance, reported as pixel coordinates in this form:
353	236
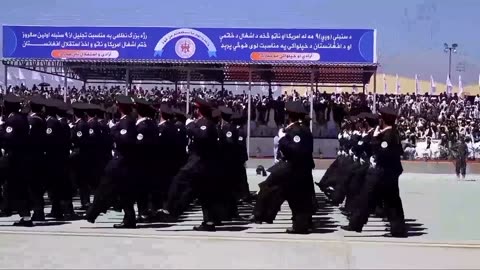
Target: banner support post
188	91
249	108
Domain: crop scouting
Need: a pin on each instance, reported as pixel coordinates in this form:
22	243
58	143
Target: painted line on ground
247	238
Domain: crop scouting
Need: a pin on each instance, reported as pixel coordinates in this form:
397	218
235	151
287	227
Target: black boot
23	223
205	227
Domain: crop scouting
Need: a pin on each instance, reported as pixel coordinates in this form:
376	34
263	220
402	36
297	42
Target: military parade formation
161	160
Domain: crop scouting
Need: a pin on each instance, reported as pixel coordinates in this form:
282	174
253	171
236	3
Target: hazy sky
411	33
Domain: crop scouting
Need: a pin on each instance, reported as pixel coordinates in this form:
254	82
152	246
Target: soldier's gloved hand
372	162
281	134
376	132
189	121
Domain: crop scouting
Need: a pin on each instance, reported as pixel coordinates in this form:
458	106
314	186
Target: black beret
38	100
387	112
225	110
164	108
124	100
201	103
216	113
295	107
11	98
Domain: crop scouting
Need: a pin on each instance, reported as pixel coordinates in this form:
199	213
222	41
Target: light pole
449	49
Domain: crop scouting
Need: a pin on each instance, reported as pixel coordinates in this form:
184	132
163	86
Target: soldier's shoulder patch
49	131
203	127
384	144
229	134
140	136
9	129
296	139
79	134
123	131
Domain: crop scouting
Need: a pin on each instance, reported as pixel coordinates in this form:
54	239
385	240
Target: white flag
384	84
338	90
264	89
354	89
397	82
236	87
9	77
417	85
21	77
449	86
460	85
36	76
433	87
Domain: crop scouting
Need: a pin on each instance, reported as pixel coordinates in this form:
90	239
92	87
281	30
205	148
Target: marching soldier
66	185
37	180
146	146
55	159
385	169
198	173
15	135
119	177
461	153
167	137
81	157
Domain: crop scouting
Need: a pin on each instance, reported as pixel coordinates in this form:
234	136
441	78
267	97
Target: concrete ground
441	213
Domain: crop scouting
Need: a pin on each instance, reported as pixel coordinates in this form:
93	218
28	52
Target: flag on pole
449	86
384	84
397	82
9	76
460	85
338	90
236	87
354	89
36	76
21	76
417	85
433	87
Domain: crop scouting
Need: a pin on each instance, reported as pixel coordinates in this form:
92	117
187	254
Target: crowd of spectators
429	125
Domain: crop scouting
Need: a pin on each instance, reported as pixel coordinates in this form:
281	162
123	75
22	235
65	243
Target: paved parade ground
442	214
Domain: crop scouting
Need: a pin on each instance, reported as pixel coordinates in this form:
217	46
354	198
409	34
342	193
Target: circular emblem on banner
185	48
123	131
203	127
296	139
229	134
49	131
90	131
9	129
384	145
140	136
79	134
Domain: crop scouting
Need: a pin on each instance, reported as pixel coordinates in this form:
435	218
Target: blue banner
190	44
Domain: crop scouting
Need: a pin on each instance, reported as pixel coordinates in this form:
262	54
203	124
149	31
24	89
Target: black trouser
392	202
60	186
366	198
461	166
195	179
18	183
37	182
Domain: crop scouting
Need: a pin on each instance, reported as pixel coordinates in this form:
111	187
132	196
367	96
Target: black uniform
460	151
16	141
37	179
199	173
167	147
81	157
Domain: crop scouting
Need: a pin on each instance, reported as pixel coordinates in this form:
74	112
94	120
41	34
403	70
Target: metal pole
249	108
375	92
450	63
6	79
188	91
127	81
312	80
65	83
